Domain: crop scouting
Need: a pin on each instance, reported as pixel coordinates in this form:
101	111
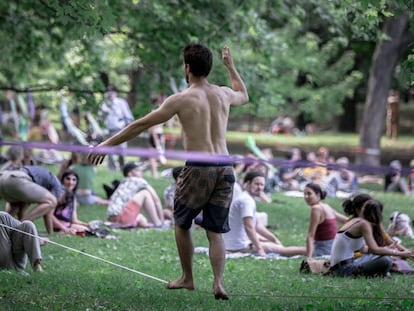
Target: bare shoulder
316	209
180	98
234	98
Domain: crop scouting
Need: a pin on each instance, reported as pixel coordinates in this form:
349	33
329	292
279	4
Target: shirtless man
203	110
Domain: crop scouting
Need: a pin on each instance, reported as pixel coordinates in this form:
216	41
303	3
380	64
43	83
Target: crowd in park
219	197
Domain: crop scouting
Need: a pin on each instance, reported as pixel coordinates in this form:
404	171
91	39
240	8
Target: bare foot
220	293
180	283
37	267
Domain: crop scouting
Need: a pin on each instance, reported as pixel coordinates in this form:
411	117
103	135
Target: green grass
73	281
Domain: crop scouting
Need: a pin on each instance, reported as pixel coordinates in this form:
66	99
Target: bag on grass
316	266
401	266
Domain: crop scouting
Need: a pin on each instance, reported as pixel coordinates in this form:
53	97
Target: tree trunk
134	76
348	120
385	58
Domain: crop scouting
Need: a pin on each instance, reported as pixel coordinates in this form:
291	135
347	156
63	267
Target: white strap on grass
89	255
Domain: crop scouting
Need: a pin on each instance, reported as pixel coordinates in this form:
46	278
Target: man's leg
48	220
217	253
44	208
185	251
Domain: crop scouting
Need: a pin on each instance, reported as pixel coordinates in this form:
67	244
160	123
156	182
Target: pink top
326	230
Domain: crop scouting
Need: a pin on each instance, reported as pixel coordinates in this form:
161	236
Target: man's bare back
202	109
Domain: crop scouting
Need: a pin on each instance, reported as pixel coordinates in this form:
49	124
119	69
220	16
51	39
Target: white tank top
345	245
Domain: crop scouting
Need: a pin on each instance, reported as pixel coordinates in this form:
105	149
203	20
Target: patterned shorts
207	188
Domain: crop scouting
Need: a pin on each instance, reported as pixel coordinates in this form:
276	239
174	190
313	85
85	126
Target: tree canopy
304	57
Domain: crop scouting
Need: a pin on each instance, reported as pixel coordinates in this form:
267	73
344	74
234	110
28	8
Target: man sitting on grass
247	235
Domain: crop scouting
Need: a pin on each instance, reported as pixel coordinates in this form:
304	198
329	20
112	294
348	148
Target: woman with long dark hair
323	222
363	233
65	216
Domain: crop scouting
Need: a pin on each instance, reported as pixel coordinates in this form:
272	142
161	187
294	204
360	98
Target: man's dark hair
199	58
252	175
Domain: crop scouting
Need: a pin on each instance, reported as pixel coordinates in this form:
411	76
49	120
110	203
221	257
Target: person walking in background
323	222
157	140
393	114
115	113
203	111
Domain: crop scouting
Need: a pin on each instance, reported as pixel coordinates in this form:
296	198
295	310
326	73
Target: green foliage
295	56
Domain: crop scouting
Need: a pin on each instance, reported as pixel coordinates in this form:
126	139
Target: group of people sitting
318	167
336	175
55	199
133	202
360	247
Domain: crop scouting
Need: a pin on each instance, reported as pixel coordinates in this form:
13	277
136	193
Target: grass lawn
73	281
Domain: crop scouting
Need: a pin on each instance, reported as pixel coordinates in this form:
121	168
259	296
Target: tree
386	56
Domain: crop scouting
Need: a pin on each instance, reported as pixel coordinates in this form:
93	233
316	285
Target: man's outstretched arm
240	96
132	130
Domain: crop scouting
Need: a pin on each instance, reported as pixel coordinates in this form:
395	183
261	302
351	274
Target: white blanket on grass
204	250
299	194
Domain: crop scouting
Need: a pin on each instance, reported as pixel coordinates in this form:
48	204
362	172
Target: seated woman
353	207
323	222
133	195
362	234
65	216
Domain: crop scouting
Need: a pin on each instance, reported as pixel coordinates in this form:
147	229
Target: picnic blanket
204	250
299	194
